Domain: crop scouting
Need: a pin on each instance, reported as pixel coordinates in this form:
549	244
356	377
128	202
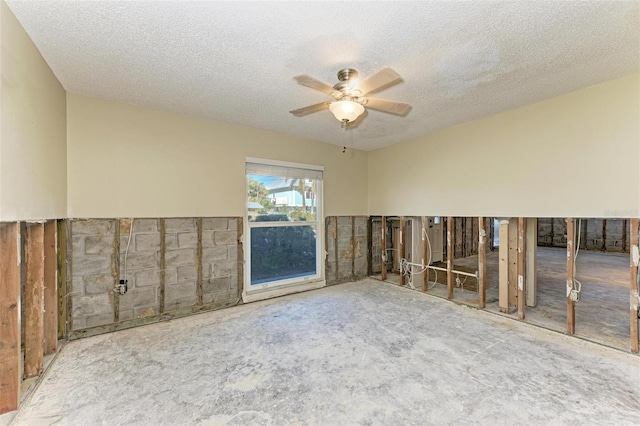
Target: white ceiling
235	61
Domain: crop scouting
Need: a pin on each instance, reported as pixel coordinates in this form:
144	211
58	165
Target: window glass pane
281	199
280	253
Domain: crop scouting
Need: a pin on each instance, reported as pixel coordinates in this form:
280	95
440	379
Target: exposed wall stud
10	336
503	254
633	285
353	247
425	254
62	278
482	263
369	247
34	300
522	229
115	268
571	311
383	244
240	228
402	240
50	288
199	288
162	226
450	249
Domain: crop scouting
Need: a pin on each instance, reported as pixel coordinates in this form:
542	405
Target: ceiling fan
349	100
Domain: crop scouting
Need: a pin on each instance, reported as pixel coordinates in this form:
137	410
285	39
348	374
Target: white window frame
271	289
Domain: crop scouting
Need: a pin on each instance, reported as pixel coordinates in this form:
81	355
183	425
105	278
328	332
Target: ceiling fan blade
397	108
310	109
379	80
307	80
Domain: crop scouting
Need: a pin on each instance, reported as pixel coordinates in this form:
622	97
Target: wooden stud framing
402	248
336	248
522	229
199	288
633	285
383	244
9	316
240	228
624	235
162	226
62	278
503	254
513	264
425	254
531	253
115	268
369	247
571	311
50	288
482	263
34	300
450	244
353	245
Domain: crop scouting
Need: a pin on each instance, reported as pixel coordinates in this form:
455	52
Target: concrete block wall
376	246
200	257
90	262
347	248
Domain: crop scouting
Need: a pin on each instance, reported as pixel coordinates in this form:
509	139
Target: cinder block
145	225
91	226
207	238
187	239
180	224
126	314
78	323
170	275
98	284
147	242
97	320
143	312
98	244
187	273
217	285
139	260
171	241
225	269
214	223
148	278
90	264
180	257
213	254
77	244
232	224
180	292
92	305
225	238
143	296
344	221
232	253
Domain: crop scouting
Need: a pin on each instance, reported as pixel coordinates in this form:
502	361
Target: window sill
256	295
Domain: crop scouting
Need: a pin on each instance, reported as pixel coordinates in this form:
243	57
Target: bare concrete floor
602	314
358	353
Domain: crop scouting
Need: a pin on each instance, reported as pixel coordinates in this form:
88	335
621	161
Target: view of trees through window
286	247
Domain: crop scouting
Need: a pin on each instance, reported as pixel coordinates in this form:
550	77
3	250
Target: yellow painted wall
32	131
574	155
129	161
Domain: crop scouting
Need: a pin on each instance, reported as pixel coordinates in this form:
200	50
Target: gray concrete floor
357	353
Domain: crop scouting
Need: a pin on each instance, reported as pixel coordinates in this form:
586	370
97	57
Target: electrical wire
126	252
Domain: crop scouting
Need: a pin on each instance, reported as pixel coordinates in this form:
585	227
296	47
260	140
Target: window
284	216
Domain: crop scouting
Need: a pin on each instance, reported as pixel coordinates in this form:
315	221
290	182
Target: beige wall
574	155
128	161
32	131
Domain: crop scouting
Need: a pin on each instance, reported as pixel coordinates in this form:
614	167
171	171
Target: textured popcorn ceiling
235	61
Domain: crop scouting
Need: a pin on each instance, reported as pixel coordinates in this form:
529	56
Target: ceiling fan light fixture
346	110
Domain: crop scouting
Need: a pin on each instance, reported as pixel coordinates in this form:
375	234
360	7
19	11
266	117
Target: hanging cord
577	285
126	252
426	235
